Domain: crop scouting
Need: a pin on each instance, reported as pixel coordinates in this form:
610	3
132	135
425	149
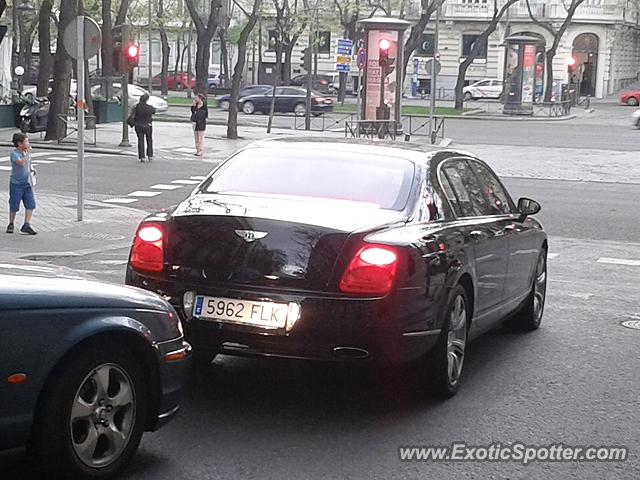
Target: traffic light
303	59
131	56
383	56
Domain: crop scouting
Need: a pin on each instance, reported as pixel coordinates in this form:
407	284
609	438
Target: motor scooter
33	116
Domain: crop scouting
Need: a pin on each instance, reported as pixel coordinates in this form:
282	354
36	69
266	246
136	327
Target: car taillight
371	271
323	82
147	254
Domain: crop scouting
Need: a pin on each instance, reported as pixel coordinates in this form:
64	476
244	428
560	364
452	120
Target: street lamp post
24	9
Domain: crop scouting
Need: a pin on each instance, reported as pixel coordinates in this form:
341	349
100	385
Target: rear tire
446	360
632	101
248	107
530	315
224	105
24	126
92	416
468	97
300	109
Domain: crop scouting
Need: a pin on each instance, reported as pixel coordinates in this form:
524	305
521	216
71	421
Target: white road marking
583	296
552	255
184	149
619	261
186	182
162	186
112	262
61	159
198	177
120	200
143	193
6	169
43	162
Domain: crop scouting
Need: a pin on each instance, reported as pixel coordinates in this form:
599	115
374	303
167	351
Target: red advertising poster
528	73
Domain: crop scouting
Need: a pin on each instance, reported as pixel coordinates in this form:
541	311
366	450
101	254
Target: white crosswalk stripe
143	193
120	200
619	261
186	182
198	177
162	186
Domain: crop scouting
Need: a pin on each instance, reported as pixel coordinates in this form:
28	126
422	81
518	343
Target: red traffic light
384	44
133	51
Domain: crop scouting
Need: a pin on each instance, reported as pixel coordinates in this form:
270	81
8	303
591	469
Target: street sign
345	42
361	57
344	46
428	67
342	67
344	59
92	38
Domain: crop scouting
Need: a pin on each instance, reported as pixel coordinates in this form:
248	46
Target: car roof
417	153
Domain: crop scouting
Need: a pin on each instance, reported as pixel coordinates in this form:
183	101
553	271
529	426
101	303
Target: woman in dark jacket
142	118
199	114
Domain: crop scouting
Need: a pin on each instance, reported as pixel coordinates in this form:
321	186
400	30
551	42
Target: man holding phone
21	183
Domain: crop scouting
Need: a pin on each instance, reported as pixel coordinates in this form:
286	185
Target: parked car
213	82
486	88
134	93
335	84
288	99
175	82
87	367
405	258
319	83
630	98
223	102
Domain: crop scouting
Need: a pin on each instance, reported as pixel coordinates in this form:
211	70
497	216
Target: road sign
92	38
428	67
345	42
343	51
343	67
362	57
344	59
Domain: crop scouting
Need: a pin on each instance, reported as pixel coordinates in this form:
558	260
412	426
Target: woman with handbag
21	183
199	114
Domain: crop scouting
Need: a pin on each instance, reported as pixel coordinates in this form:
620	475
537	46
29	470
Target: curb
43	256
73	148
508	118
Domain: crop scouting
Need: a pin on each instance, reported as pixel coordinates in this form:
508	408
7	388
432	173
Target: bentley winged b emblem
250	236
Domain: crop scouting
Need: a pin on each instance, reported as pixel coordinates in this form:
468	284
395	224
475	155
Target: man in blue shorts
20	184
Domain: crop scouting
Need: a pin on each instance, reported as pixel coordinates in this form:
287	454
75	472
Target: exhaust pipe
352	353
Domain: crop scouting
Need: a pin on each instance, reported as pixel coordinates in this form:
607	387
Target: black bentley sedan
85	368
339	250
287	100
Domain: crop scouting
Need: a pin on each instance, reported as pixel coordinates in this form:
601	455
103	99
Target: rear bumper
330	327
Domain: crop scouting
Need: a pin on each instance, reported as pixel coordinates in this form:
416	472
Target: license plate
246	312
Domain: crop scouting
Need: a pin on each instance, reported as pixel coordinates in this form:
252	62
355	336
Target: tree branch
121	18
546	25
235	2
197	21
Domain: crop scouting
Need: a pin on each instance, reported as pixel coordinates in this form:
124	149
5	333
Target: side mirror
527	206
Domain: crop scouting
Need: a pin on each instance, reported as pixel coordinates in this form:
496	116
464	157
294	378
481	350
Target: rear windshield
375	181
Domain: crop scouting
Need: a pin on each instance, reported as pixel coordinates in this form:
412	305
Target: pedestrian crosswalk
155	190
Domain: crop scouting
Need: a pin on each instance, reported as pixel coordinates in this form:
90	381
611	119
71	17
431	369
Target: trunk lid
274	242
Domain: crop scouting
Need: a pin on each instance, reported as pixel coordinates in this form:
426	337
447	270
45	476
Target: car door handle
477	235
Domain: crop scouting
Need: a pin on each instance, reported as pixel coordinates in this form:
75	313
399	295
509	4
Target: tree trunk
232	119
412	43
462	73
164	41
342	87
224	57
44	40
549	75
276	82
61	76
286	72
107	40
203	56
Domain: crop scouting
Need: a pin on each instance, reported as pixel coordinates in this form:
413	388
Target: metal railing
553	109
421	125
71	126
380	129
322	122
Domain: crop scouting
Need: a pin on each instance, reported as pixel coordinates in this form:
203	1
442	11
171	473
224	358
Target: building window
468	41
156	51
324	42
272	42
484	2
426	45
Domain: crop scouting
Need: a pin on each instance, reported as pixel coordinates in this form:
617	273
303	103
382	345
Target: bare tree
61	75
478	46
427	8
204	35
44	40
557	34
252	19
106	52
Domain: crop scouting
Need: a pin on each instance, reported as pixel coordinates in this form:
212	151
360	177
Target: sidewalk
105	227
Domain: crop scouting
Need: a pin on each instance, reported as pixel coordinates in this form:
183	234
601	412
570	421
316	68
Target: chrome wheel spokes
539	289
102	415
456	339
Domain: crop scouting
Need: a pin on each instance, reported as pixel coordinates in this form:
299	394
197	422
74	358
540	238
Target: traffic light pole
125	88
80	110
434	73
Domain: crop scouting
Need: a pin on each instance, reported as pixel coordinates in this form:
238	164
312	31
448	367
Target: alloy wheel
300	110
539	289
456	339
102	415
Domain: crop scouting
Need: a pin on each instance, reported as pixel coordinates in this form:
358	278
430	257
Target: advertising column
378	76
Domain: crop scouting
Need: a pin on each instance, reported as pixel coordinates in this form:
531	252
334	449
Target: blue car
223	102
85	368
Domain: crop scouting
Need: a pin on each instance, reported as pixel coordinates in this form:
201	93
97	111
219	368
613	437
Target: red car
630	98
175	82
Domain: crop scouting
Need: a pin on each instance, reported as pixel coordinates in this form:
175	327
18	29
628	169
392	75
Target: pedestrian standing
142	117
199	115
21	183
